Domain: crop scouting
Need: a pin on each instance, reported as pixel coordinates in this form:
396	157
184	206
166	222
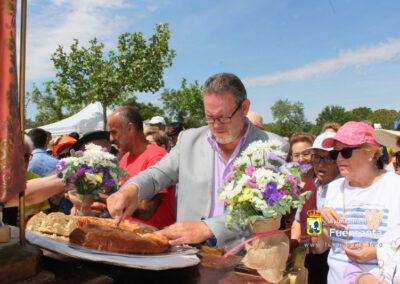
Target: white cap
157	120
317	145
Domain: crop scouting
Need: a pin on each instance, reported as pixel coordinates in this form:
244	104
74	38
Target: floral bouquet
91	171
261	184
260	188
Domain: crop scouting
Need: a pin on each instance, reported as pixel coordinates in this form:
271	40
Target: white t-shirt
369	212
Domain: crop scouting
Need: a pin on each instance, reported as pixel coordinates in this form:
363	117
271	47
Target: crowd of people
175	176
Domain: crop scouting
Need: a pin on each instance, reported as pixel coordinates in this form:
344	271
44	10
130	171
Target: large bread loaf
114	239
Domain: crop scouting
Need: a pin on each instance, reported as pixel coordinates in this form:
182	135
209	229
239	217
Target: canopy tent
88	119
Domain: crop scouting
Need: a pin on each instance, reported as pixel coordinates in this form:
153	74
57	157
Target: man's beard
228	139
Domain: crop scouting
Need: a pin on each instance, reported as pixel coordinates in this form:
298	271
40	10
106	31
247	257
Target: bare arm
39	189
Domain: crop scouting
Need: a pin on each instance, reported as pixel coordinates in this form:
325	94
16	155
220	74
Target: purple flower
60	166
271	193
274	168
274	157
232	168
305	167
80	172
108	182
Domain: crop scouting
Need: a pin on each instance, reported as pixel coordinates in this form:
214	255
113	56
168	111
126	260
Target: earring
370	159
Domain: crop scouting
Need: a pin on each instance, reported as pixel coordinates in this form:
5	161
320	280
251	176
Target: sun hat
353	133
389	138
157	120
91	136
317	145
64	141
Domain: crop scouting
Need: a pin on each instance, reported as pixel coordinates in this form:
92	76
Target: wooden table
210	270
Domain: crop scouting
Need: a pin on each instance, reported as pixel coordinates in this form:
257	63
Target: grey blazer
191	163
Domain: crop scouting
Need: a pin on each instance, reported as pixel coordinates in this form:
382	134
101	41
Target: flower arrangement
261	184
91	171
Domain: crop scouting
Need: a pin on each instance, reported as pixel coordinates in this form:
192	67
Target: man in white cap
158	121
325	170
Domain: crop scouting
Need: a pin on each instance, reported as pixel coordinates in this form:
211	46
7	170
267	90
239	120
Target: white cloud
58	22
380	52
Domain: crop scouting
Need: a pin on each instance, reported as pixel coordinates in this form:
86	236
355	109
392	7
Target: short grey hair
226	82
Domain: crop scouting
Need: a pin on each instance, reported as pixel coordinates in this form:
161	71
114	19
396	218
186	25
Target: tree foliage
332	113
185	105
289	117
146	110
385	117
87	74
361	113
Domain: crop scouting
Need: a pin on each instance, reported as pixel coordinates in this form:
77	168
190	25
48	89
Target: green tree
185	105
146	110
385	117
332	114
361	113
86	75
289	117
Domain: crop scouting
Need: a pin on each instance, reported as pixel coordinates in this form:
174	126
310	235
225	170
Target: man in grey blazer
199	162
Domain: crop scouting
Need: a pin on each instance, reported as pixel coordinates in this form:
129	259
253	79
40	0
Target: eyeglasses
318	159
304	154
345	152
27	157
223	120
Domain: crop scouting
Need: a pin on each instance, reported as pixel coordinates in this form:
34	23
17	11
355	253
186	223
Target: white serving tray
178	257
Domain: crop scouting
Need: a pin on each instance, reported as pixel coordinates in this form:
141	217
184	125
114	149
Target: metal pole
22	60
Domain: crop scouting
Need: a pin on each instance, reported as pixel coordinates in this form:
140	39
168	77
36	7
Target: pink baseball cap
352	133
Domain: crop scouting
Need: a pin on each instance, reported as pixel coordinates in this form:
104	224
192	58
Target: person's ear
245	107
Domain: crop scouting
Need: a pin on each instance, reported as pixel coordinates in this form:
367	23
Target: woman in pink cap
360	207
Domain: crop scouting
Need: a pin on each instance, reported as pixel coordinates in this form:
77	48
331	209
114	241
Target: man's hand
187	233
331	218
360	253
123	203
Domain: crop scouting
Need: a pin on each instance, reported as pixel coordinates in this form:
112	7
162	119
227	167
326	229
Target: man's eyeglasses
223	120
304	154
27	157
318	159
345	152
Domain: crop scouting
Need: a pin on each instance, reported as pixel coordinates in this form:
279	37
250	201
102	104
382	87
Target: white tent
88	119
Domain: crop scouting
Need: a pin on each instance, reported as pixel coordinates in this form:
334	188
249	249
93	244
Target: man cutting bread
199	162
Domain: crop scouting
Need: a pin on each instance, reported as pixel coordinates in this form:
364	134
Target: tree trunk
104	116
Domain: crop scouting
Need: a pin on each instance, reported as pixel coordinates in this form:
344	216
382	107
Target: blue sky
318	52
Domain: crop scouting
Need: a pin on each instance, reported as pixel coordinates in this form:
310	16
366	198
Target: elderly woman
360	207
299	151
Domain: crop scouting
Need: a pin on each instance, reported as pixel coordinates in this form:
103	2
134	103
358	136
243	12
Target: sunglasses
345	152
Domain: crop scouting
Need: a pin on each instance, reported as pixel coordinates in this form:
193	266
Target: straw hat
388	138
